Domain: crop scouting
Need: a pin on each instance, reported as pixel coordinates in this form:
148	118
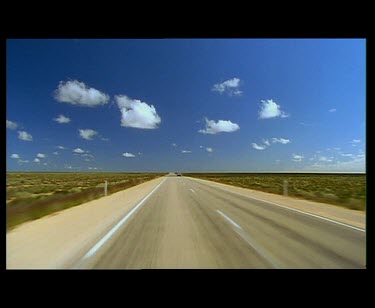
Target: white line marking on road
248	240
309	214
193	191
230	220
295	210
94	249
238	229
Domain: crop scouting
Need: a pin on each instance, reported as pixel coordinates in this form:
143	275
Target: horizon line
98	171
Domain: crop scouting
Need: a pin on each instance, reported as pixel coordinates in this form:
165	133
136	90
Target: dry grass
347	190
34	195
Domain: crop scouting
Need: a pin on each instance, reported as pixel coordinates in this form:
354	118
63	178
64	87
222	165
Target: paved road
187	223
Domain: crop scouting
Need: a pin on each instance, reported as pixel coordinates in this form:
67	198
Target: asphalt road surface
188	223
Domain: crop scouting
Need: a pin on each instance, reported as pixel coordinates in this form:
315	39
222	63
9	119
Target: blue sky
186	105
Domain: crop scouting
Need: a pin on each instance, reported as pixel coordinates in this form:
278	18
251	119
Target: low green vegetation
347	190
33	195
36	194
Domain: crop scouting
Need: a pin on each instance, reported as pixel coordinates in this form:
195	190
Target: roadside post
105	187
285	188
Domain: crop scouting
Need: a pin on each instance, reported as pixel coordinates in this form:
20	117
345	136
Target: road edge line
99	244
295	210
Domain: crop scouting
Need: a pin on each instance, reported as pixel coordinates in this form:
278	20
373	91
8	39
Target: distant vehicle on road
178	174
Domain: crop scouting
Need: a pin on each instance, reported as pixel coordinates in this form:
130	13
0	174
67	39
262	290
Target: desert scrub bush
66	190
347	190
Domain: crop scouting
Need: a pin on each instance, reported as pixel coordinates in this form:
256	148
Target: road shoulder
344	215
60	239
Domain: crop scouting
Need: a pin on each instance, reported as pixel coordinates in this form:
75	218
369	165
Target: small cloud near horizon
220	126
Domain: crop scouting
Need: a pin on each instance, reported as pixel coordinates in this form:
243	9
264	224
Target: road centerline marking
238	229
99	244
228	219
248	240
293	209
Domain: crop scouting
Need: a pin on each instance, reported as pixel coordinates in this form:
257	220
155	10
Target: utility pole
285	187
105	187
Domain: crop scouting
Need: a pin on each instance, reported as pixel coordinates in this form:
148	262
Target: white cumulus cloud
128	155
61	147
208	149
37	160
137	114
346	155
62	119
280	140
351	163
87	134
325	159
88	155
11	125
25	136
270	109
39	155
78	150
230	86
185	151
332	110
355	142
258	147
213	127
77	93
15	156
267	143
297	158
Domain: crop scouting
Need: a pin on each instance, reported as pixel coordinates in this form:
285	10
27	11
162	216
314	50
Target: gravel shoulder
59	239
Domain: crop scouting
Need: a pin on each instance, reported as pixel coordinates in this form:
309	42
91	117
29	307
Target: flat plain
344	189
31	195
